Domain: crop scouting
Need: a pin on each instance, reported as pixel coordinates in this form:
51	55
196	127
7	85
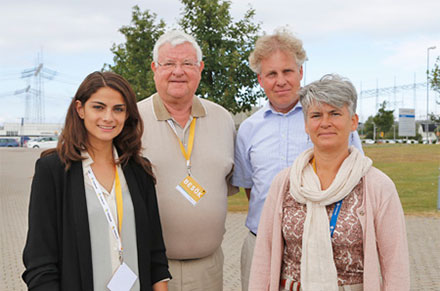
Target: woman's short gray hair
331	89
176	37
282	40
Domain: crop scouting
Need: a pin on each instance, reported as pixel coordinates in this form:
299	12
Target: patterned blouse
347	238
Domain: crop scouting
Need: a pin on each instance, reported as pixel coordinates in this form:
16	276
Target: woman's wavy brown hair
73	138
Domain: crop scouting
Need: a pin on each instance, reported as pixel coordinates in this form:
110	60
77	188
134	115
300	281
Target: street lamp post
394	132
427	92
427	113
305	71
438	193
374	132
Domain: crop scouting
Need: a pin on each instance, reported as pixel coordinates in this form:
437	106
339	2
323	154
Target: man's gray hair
282	40
176	37
331	89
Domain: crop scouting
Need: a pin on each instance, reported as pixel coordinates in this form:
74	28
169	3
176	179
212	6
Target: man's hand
248	193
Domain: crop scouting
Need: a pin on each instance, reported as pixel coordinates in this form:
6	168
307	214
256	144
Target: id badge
123	279
191	190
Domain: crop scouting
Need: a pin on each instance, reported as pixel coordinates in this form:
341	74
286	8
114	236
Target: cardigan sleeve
40	255
391	239
263	269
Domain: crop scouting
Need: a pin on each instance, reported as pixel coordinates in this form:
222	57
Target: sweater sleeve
261	269
391	239
40	255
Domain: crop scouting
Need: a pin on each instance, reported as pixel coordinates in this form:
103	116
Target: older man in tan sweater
190	142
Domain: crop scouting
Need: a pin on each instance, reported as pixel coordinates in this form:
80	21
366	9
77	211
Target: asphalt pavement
16	170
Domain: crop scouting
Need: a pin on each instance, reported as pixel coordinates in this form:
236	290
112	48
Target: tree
383	121
132	59
434	79
368	128
226	45
434	118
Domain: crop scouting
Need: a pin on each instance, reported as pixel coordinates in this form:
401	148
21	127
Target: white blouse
105	254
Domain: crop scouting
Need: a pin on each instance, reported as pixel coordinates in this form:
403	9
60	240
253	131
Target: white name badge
191	190
123	279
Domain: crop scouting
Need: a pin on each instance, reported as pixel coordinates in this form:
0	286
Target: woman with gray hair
331	221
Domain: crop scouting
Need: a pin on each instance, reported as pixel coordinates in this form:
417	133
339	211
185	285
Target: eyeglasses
186	65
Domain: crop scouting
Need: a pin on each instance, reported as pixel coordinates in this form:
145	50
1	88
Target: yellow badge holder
189	187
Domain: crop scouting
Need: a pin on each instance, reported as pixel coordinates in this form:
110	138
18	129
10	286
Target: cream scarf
318	271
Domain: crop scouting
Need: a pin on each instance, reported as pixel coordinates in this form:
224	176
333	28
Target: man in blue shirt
271	139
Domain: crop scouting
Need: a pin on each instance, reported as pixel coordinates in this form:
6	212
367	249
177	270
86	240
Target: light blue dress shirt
268	142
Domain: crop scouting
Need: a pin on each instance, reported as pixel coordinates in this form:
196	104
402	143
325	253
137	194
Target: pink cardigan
382	222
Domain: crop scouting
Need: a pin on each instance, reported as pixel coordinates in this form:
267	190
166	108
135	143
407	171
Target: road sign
407	122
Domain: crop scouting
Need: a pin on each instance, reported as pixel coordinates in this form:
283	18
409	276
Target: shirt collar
268	109
88	161
197	108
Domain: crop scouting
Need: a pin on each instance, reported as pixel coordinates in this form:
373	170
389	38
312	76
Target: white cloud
382	18
411	55
93	25
56	29
364	40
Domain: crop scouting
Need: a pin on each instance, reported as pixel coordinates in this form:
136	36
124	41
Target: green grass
413	168
238	202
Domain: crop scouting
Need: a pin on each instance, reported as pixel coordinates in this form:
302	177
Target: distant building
30	129
432	132
54	129
240	117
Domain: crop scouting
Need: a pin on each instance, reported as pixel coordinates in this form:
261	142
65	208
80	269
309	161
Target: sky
376	44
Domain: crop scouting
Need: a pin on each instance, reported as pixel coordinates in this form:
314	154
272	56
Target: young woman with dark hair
93	215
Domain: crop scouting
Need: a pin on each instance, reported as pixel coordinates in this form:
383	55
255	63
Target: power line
395	96
390	90
35	103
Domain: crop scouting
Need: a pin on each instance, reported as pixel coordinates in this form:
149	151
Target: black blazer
57	254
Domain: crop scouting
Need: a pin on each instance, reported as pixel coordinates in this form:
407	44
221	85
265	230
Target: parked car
8	142
429	141
24	140
43	142
368	141
410	141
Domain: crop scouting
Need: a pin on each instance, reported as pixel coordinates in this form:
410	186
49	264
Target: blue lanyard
338	205
334	218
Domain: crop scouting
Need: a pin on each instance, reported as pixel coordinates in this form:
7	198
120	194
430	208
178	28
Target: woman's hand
160	286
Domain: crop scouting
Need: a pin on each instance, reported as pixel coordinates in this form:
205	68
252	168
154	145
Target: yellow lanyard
192	128
119	203
314	164
187	154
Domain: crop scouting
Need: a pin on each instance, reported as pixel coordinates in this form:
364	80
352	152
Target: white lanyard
173	127
111	221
